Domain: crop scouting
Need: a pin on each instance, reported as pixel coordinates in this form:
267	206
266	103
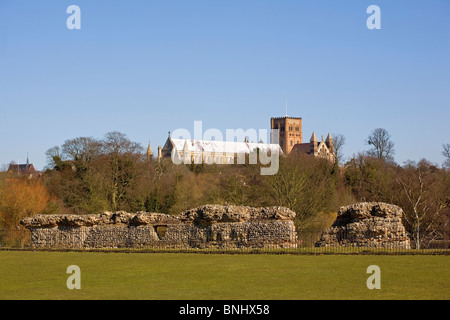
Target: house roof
302	147
21	168
223	146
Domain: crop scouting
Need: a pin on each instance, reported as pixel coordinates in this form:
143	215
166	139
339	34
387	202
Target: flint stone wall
209	226
367	224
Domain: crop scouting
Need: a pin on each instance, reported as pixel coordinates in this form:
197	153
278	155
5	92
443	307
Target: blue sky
148	67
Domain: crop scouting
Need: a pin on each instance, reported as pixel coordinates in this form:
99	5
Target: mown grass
176	276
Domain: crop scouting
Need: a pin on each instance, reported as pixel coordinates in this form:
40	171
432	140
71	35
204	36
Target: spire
186	153
149	152
329	143
313	144
286	109
185	147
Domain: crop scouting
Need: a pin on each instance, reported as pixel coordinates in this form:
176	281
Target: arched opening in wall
160	231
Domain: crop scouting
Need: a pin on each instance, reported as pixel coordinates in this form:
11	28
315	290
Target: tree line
87	175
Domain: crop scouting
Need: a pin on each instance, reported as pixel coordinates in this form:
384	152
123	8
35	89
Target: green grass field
175	276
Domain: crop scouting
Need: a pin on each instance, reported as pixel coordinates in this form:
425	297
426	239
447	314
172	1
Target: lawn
175	276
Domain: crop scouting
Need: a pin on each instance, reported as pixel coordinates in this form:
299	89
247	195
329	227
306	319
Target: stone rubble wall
209	226
367	224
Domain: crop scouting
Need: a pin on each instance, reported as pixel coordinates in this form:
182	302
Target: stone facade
322	149
209	226
189	151
290	138
367	224
289	131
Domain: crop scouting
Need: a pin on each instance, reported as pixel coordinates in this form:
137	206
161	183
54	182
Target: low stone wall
209	226
367	224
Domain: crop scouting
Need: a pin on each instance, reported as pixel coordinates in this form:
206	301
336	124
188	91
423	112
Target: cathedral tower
289	132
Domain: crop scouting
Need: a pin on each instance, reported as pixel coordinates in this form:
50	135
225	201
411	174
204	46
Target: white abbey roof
224	146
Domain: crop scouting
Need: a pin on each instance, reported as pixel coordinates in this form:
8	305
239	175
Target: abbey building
290	138
286	137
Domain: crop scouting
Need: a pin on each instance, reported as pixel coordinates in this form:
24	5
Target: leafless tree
446	153
117	143
382	145
338	143
82	148
121	167
303	185
423	198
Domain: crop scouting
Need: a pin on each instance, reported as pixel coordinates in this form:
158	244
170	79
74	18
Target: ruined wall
367	224
209	226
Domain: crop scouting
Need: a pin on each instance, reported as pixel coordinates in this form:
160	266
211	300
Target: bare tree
382	145
338	143
82	148
117	143
53	155
446	153
104	172
423	199
121	168
303	184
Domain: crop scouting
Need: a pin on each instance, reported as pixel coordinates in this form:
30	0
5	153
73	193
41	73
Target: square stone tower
290	132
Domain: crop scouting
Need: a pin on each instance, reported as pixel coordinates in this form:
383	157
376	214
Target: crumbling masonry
367	224
209	226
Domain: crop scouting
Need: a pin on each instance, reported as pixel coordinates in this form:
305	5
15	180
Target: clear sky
148	67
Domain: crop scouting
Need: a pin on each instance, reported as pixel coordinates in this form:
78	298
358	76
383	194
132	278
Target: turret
159	153
313	144
329	142
186	153
149	152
